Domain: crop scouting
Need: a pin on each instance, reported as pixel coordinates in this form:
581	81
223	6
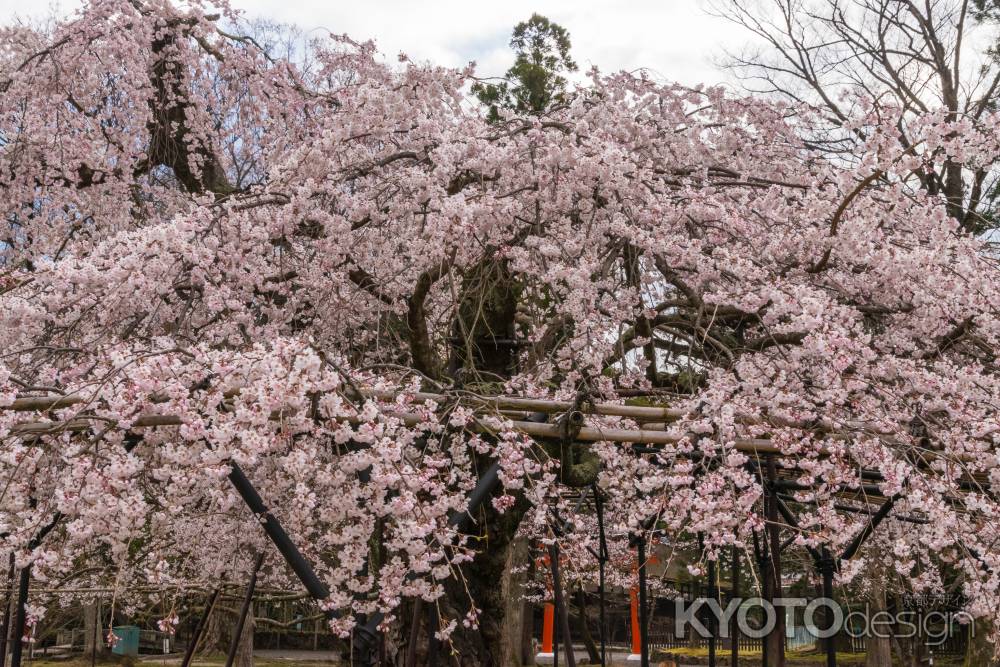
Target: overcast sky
676	40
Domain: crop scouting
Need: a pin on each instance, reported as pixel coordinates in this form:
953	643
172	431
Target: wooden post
643	616
20	617
548	625
826	569
202	622
433	644
562	611
775	641
602	560
712	621
411	647
636	643
6	613
97	634
234	645
734	631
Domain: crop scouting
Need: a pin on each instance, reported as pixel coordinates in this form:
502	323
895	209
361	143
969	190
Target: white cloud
675	39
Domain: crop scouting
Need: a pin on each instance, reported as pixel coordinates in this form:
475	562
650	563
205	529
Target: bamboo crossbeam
650	417
602	434
653	419
534	429
638	412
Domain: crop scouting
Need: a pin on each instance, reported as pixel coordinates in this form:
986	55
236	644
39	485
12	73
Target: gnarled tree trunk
979	652
878	650
93	634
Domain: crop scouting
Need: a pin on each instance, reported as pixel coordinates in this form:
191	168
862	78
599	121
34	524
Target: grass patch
804	657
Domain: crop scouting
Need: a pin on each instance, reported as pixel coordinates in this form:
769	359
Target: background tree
538	77
842	56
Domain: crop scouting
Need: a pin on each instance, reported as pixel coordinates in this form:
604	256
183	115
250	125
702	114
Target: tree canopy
226	259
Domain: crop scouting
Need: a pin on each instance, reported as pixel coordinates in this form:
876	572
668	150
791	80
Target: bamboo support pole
586	434
657	417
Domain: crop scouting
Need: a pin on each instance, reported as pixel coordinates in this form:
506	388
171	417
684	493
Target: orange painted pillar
548	619
634	598
548	625
636	644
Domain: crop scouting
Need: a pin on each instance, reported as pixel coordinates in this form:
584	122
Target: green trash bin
128	640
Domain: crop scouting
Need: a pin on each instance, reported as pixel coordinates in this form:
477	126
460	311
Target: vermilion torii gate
531	417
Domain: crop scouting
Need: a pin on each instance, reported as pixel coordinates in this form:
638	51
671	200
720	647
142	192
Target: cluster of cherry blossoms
229	259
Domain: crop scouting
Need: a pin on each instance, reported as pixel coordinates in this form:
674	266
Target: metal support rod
643	616
6	612
363	641
302	569
904	518
202	623
876	519
234	645
602	560
562	613
482	492
20	616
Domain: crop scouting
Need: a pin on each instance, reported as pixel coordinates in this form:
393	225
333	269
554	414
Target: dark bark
979	651
515	620
93	643
593	655
171	142
483	347
878	650
244	650
487	579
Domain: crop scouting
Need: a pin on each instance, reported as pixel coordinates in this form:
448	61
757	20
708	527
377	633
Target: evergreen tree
537	79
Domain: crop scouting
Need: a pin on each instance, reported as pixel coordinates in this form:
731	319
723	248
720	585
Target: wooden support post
643	616
548	626
826	569
433	644
200	628
411	645
734	630
634	607
562	612
602	559
6	613
20	617
97	634
775	640
234	645
713	630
